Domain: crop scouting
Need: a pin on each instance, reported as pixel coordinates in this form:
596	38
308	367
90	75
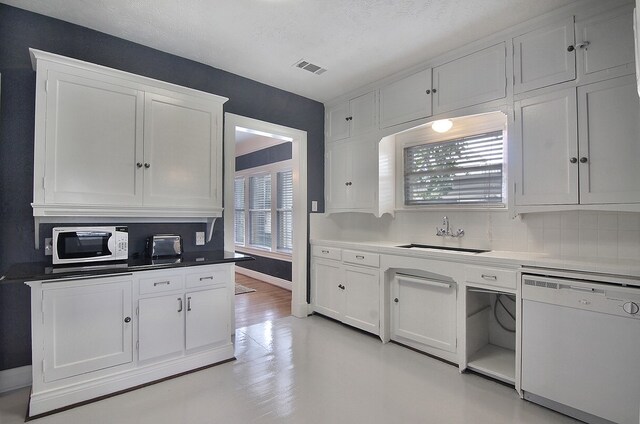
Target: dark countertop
34	271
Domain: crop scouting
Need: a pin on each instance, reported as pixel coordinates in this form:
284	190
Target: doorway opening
265	216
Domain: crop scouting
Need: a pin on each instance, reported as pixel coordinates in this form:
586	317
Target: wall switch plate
48	246
314	206
199	238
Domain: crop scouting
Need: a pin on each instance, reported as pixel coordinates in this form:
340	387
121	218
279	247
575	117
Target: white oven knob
631	308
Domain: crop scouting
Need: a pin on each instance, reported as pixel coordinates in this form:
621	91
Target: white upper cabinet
609	141
406	100
605	44
109	143
547	150
470	80
352	118
544	56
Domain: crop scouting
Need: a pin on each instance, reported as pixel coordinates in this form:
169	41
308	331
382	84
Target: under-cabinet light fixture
442	125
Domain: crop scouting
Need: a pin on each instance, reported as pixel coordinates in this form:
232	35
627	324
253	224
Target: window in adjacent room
464	166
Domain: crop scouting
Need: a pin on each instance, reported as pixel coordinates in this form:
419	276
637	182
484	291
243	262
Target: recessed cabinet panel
93	131
477	78
85	327
180	161
406	100
364	178
362	114
337	174
544	57
609	142
606	42
338	122
327	294
207	322
547	149
362	303
161	327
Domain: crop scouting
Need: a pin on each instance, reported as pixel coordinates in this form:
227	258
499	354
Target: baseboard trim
287	285
15	378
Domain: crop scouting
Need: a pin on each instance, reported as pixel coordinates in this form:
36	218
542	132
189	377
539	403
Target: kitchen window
464	167
264	209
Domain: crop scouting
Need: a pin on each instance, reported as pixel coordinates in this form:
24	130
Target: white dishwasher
581	348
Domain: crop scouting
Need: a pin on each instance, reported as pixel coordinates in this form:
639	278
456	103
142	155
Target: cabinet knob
433	90
570	48
348	118
573	160
583	160
583	45
139	164
127	320
396	300
428	91
147	165
340	286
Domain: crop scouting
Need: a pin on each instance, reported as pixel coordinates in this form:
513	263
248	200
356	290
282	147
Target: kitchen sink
454	249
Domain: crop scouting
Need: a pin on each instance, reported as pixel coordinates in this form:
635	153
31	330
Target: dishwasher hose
495	311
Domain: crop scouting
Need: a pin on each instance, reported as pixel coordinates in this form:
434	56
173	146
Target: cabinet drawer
162	283
208	277
327	252
361	258
491	276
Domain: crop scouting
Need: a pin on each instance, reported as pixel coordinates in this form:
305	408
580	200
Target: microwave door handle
111	244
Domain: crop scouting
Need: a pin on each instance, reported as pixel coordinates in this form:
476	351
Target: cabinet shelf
496	362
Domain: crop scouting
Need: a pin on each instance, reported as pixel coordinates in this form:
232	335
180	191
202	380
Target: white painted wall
585	234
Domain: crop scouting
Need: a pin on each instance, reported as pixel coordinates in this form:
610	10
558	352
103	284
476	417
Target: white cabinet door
605	44
337	174
362	118
161	327
337	119
87	326
93	139
546	151
326	282
181	152
544	57
424	311
470	80
406	99
609	122
363	175
207	318
362	298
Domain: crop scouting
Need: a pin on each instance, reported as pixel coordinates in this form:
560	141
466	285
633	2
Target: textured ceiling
357	41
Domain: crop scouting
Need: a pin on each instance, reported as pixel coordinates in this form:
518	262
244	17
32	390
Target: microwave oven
89	244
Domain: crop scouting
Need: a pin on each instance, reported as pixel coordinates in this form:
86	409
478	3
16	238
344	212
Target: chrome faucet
446	231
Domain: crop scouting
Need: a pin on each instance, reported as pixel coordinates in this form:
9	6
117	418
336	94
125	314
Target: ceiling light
442	125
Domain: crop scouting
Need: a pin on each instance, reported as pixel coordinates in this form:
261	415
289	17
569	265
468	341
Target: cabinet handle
326	252
340	286
396	300
147	165
180	304
206	278
428	91
583	45
188	303
139	164
348	118
573	160
583	160
489	277
159	283
127	320
570	48
360	257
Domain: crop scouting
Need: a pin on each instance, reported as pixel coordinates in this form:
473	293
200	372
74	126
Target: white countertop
615	267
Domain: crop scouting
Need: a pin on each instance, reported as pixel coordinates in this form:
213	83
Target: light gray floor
310	370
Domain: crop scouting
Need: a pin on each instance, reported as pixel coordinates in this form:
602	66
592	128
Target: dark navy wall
273	154
20	30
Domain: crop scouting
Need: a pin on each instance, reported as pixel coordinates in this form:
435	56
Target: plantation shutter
260	211
239	217
285	210
466	170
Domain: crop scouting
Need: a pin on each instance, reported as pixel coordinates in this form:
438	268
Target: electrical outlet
314	206
199	238
48	246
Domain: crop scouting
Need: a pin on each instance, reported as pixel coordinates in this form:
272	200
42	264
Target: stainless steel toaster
164	246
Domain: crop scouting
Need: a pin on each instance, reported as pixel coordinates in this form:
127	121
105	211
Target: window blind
466	170
285	210
239	216
260	211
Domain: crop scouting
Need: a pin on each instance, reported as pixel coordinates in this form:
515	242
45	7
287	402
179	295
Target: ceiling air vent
307	66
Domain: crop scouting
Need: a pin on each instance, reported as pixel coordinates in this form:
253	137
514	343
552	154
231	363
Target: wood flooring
267	303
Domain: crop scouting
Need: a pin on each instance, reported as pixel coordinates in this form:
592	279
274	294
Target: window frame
477	124
273	169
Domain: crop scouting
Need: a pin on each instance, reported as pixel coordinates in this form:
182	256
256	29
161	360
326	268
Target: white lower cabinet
345	292
424	312
86	330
